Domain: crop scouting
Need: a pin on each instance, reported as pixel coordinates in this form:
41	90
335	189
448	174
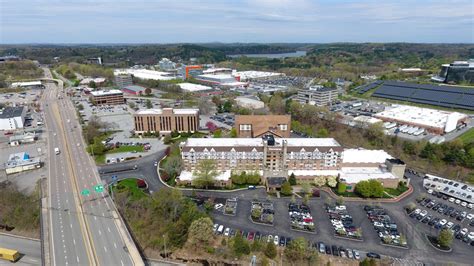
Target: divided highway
83	229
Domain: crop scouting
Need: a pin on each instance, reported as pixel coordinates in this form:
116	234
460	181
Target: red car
251	236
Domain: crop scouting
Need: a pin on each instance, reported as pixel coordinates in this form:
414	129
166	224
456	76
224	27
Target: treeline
235	49
165	216
19	210
68	70
17	70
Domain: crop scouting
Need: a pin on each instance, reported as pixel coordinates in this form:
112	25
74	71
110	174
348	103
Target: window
245	127
283	127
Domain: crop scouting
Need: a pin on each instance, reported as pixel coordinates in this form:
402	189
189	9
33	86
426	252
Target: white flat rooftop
417	115
258	142
353	175
145	74
103	93
160	111
255	74
26	83
193	87
188	176
364	156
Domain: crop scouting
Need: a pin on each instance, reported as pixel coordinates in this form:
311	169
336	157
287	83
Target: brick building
166	120
256	126
107	97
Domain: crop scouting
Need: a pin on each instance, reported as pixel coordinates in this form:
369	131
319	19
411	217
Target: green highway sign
99	188
85	192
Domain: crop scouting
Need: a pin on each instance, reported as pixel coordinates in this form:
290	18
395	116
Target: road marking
108	228
115	245
74	241
105	248
71	227
95	218
77	258
121	262
100	233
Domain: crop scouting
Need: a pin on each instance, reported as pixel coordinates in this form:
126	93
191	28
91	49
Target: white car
451	199
470	205
215	227
449	225
471	236
443	222
269	238
417	211
464	231
218	206
430	191
458	201
227	231
424	213
470	216
356	255
275	240
349	253
341	208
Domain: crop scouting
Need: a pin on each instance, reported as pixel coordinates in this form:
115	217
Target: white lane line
95	218
121	262
77	259
74	241
108	229
100	233
115	245
70	225
105	248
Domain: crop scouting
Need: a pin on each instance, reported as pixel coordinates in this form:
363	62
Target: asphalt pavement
29	249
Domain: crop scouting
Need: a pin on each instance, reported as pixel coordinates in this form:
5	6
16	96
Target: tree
173	165
200	232
217	133
233	133
276	104
292	179
211	126
320	181
131	105
204	106
286	189
332	181
341	188
296	250
227	107
445	238
371	188
147	91
322	133
368	262
306	188
205	174
253	178
92	84
270	250
240	246
148	104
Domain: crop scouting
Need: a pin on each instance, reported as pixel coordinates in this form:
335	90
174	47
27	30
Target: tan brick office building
110	97
256	126
166	120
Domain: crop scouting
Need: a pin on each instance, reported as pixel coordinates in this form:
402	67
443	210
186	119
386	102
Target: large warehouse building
12	118
434	121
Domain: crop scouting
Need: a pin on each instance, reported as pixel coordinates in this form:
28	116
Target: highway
84	229
30	249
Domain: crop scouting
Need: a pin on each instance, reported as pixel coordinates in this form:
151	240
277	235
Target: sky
198	21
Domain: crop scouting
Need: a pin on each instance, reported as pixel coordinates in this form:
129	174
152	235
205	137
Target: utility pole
164	239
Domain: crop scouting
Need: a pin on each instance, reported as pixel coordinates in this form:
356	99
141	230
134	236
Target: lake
282	55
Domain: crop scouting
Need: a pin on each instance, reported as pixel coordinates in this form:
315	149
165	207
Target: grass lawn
468	136
138	148
130	184
396	191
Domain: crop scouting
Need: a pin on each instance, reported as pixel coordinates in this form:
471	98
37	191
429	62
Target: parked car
373	255
227	231
322	247
356	255
275	240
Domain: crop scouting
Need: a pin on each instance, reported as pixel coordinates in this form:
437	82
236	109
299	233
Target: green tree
270	250
240	246
322	133
253	178
276	104
217	133
296	250
205	174
370	189
256	246
445	238
200	232
238	179
233	133
131	105
341	188
286	189
148	104
92	84
368	262
292	179
331	181
173	165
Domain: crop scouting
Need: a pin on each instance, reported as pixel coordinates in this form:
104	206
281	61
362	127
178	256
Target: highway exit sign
85	192
99	188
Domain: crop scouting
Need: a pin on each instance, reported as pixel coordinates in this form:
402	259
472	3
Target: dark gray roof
276	181
10	112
